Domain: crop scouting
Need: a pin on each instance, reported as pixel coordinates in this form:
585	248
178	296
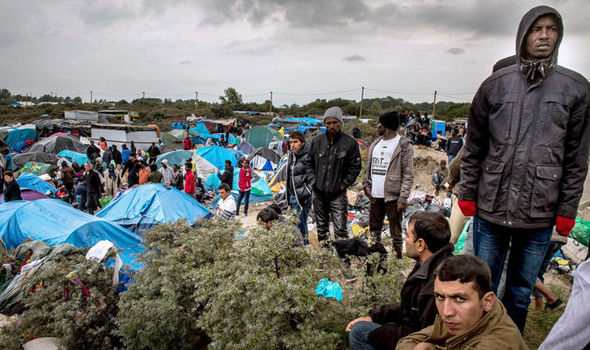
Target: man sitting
427	242
470	316
226	207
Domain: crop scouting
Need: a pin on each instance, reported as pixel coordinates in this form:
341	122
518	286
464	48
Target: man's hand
353	322
424	346
367	190
467	207
564	226
401	207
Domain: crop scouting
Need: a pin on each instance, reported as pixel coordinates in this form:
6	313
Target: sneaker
555	306
244	215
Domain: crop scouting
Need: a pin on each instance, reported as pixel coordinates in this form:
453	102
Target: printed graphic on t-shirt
380	159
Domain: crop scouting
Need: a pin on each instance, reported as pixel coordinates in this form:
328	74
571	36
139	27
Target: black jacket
92	152
154	152
298	179
178	181
333	164
117	156
526	155
93	184
12	192
454	144
417	308
227	177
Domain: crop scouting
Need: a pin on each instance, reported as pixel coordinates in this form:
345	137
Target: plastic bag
581	231
329	289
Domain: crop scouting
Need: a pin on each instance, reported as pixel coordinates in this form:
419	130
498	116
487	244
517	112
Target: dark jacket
93	183
68	175
333	164
227	177
417	308
107	156
92	152
154	152
298	179
527	152
12	192
117	157
454	144
178	181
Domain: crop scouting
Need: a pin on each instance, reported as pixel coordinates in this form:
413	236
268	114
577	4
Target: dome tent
57	143
174	157
262	136
34	182
142	207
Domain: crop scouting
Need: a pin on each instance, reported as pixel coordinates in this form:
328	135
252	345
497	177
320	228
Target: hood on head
525	24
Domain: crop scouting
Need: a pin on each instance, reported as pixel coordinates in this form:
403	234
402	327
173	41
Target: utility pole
271	103
91	96
362	97
434	105
196	99
143	98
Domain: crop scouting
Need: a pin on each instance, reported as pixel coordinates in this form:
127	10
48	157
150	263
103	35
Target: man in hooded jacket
526	158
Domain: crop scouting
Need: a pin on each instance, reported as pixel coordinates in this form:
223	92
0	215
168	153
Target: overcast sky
299	49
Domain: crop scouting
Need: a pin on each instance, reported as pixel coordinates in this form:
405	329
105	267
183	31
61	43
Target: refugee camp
295	175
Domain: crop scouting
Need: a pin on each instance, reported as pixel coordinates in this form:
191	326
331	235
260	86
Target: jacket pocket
500	117
489	183
545	191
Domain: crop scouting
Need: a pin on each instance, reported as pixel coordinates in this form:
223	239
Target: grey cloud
455	51
354	58
96	12
185	62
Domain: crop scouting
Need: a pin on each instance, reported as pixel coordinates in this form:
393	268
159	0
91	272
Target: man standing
93	188
92	151
67	178
228	175
389	178
524	165
427	242
189	180
167	173
298	186
454	144
117	157
154	152
333	164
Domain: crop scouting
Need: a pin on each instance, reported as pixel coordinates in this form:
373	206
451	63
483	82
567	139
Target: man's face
541	38
223	193
7	179
380	129
443	164
332	126
411	249
459	304
295	145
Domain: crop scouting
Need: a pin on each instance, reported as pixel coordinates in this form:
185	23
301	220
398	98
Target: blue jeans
451	157
437	180
303	211
528	249
359	335
246	196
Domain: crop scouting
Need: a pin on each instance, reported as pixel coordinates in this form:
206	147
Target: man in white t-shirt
389	178
226	207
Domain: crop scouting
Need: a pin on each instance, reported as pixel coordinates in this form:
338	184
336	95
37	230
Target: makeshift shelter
119	134
27	194
264	159
278	180
55	222
57	143
145	206
88	116
72	157
12	135
217	156
19	160
262	136
203	167
34	182
48	127
174	157
178	135
260	191
245	148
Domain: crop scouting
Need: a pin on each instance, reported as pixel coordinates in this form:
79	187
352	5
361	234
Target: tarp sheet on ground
27	194
34	182
260	190
72	156
18	160
174	157
262	136
217	156
145	206
57	143
55	222
13	135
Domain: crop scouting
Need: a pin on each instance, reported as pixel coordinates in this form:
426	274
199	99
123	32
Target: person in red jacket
245	185
188	143
189	180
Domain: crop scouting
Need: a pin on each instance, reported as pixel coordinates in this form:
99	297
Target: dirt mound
426	161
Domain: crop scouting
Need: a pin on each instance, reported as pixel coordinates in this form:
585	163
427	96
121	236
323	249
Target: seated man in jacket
469	315
427	242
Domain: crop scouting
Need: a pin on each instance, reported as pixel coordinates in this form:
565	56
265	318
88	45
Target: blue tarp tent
217	156
55	222
72	156
34	182
438	126
20	134
145	206
260	191
174	157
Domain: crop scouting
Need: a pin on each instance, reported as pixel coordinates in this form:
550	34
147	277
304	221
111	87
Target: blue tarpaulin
260	191
217	156
34	182
72	156
17	135
145	206
55	222
174	157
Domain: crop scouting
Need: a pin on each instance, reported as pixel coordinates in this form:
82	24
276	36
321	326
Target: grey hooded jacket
528	136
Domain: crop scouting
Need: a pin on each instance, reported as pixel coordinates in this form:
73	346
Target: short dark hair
153	167
433	228
228	162
189	165
267	215
223	187
298	135
9	173
466	268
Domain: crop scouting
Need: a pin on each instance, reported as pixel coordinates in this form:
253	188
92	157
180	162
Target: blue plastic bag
329	289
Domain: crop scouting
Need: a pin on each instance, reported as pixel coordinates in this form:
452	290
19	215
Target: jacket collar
425	270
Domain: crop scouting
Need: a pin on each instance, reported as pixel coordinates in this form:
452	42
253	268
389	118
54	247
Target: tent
47	127
27	194
57	143
55	222
245	147
34	182
203	167
12	135
72	156
217	156
18	160
178	135
278	180
261	136
264	159
174	157
260	191
119	134
145	206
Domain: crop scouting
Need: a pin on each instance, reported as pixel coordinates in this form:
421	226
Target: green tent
261	136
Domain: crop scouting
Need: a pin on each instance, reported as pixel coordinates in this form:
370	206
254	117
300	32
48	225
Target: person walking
245	185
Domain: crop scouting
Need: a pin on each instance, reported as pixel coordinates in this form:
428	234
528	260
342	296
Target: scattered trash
329	289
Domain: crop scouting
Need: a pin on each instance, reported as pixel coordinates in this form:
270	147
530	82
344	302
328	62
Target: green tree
232	98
